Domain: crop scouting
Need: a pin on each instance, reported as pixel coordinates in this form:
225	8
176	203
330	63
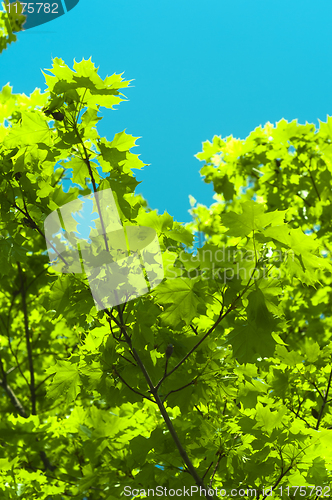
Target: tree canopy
217	381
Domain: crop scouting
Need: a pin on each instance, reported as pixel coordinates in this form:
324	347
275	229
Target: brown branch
301	418
194	329
28	343
304	200
215	469
21	411
86	160
315	386
10	344
207	470
324	401
34	225
293	461
199	411
314	184
283	474
59	178
161	407
220	318
12	396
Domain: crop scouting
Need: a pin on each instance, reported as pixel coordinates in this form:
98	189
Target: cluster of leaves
11	21
286	393
98	400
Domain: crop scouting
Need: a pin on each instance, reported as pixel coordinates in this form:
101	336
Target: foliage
11	20
219	377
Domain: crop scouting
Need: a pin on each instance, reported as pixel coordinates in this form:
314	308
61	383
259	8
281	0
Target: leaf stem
131	388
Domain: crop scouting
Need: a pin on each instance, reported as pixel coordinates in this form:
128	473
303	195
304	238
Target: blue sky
199	68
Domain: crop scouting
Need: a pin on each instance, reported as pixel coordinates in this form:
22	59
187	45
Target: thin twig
179	389
215	469
131	388
301	418
129	360
220	318
207	470
199	411
11	348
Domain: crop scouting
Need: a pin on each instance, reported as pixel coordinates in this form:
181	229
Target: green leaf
123	141
269	420
258	314
80	170
45	189
181	301
317	473
289	358
160	223
181	235
66	381
59	295
252	218
33	130
249	343
254	337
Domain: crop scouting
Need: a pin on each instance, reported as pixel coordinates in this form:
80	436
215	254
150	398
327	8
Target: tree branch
28	343
220	318
161	407
34	225
313	183
88	164
10	344
13	398
301	418
20	410
215	469
324	402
